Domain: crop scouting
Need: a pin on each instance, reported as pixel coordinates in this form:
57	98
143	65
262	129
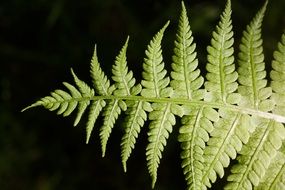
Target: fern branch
124	82
227	138
154	81
136	116
86	91
193	134
136	113
278	77
232	129
155	84
256	155
160	127
221	74
274	178
100	81
186	79
111	113
95	109
252	67
234	108
186	84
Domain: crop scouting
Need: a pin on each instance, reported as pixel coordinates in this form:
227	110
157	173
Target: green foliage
237	115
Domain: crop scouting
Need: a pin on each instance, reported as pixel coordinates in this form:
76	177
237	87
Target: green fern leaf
155	85
227	138
95	109
252	67
124	82
86	92
274	178
237	114
221	74
193	134
160	127
232	129
66	103
136	116
136	112
186	79
100	81
186	83
278	77
110	114
256	155
155	82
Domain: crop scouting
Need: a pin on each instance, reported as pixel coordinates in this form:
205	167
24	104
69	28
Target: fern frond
252	67
186	83
95	109
221	76
193	134
258	152
274	178
86	92
124	82
100	81
111	113
275	174
278	78
136	116
186	79
66	103
154	81
160	127
136	112
256	155
155	84
229	134
232	129
235	114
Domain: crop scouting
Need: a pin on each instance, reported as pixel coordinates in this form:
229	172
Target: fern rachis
237	115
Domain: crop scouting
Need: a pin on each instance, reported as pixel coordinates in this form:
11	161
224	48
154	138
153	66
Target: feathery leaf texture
256	155
221	76
278	77
274	178
234	113
252	67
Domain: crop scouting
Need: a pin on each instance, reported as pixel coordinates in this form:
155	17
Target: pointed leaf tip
229	3
87	140
263	8
125	167
183	5
95	51
153	182
26	108
127	41
73	73
31	106
166	25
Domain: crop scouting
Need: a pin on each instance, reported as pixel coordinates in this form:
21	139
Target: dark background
40	40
